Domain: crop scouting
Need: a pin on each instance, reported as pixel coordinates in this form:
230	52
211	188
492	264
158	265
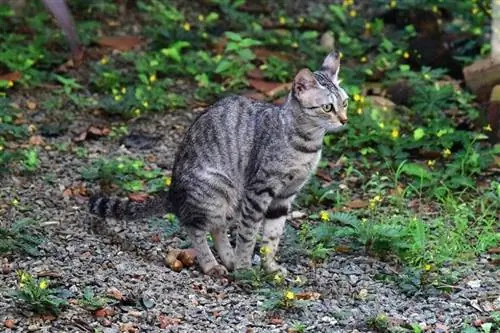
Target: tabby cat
242	162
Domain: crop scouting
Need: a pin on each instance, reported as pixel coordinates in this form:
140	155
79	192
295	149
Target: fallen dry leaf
269	88
187	257
276	321
138	197
9	323
262	53
256	74
168	321
172	261
357	204
14	76
36	140
308	295
342	249
91	132
76	189
128	328
494	250
31	105
255	95
120	43
115	293
104	312
324	175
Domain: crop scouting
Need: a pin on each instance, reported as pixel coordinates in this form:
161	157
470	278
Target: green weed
37	294
21	237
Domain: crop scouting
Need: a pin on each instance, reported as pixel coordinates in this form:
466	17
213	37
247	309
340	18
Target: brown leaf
48	317
138	197
104	312
256	74
14	76
91	132
36	140
168	321
262	53
187	257
255	95
115	293
31	105
128	328
308	295
76	189
276	321
120	43
324	175
357	204
494	250
342	249
9	323
269	88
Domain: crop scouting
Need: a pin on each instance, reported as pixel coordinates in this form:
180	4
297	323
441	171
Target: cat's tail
156	205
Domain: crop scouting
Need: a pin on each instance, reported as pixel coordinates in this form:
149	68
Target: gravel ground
78	253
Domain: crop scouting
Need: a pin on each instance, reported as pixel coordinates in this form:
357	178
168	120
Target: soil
81	251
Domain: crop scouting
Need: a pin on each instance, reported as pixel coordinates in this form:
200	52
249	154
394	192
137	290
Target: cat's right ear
304	80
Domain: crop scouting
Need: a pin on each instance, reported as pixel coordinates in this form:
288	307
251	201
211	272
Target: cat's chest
300	168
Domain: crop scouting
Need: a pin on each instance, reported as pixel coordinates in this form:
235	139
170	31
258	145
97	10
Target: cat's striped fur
243	162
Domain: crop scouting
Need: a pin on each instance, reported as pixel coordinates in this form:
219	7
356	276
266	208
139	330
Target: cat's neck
301	123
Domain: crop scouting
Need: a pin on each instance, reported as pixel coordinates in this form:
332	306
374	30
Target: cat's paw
218	271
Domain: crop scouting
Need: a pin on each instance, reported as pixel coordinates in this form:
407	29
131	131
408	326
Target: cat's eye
327	107
346	102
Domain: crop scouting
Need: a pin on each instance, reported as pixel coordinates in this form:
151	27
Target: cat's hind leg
204	255
223	247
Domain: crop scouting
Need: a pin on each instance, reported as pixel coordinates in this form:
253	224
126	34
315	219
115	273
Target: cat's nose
343	120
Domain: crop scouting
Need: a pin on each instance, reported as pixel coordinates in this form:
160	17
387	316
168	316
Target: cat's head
320	95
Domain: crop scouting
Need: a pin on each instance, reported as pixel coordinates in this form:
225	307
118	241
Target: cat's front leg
253	207
274	224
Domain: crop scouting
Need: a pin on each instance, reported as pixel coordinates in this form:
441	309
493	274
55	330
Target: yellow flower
43	284
137	112
10	84
117	97
395	133
301	20
357	97
295	45
353	13
145	104
278	278
435	9
324	216
348	3
446	153
124	90
289	295
487	128
427	267
167	181
104	60
14	202
393	3
475	10
364	59
368	26
282	20
341	55
359	110
406	55
265	250
427	76
431	163
152	78
23	277
201	18
381	125
375	201
186	26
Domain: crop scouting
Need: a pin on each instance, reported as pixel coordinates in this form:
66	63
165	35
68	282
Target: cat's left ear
331	66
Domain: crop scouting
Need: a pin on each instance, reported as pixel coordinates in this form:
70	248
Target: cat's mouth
334	128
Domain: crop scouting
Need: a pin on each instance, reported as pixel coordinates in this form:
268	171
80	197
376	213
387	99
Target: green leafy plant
22	237
92	302
37	294
130	175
